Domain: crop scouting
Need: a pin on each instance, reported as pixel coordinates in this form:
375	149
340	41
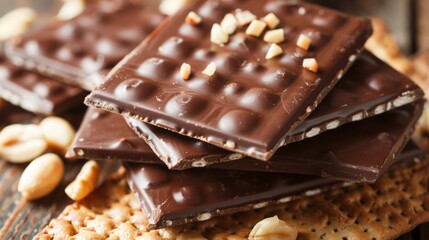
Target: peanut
16	22
41	176
21	143
274	229
85	181
58	133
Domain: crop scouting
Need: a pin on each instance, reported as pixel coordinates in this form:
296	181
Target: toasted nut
16	22
274	51
170	7
210	69
271	20
85	181
217	35
244	17
41	176
71	9
303	42
310	64
256	28
274	229
193	18
274	36
185	71
22	143
58	133
229	24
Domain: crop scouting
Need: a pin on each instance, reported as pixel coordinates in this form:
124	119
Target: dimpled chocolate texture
250	104
370	87
36	93
104	135
82	50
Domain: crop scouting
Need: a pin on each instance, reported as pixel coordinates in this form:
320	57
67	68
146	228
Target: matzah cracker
397	203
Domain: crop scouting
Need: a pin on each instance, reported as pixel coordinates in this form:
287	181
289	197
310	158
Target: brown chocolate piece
82	50
10	114
370	87
358	152
37	93
172	198
250	104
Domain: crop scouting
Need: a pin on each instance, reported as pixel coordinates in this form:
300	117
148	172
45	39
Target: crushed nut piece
256	28
230	144
210	69
85	181
244	17
273	228
185	71
274	36
229	24
271	20
274	51
310	64
16	22
217	35
193	18
41	176
303	42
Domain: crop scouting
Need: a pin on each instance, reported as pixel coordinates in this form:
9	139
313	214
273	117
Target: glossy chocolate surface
82	50
250	104
104	135
358	152
369	87
175	197
37	93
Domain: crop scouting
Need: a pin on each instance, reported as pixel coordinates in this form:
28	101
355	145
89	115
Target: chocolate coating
368	84
82	50
216	111
172	198
36	93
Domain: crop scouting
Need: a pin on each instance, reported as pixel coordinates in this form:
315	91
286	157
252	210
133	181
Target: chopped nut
16	22
85	181
256	28
244	17
271	20
193	18
58	133
230	144
210	69
274	36
185	71
229	24
170	7
41	176
310	64
273	228
217	35
303	42
274	51
21	143
71	9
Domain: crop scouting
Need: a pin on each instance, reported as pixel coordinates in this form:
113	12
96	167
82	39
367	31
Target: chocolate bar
36	93
338	154
370	87
249	104
82	50
104	135
172	198
10	114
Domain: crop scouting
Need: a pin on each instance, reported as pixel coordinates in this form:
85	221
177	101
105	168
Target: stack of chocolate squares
228	105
